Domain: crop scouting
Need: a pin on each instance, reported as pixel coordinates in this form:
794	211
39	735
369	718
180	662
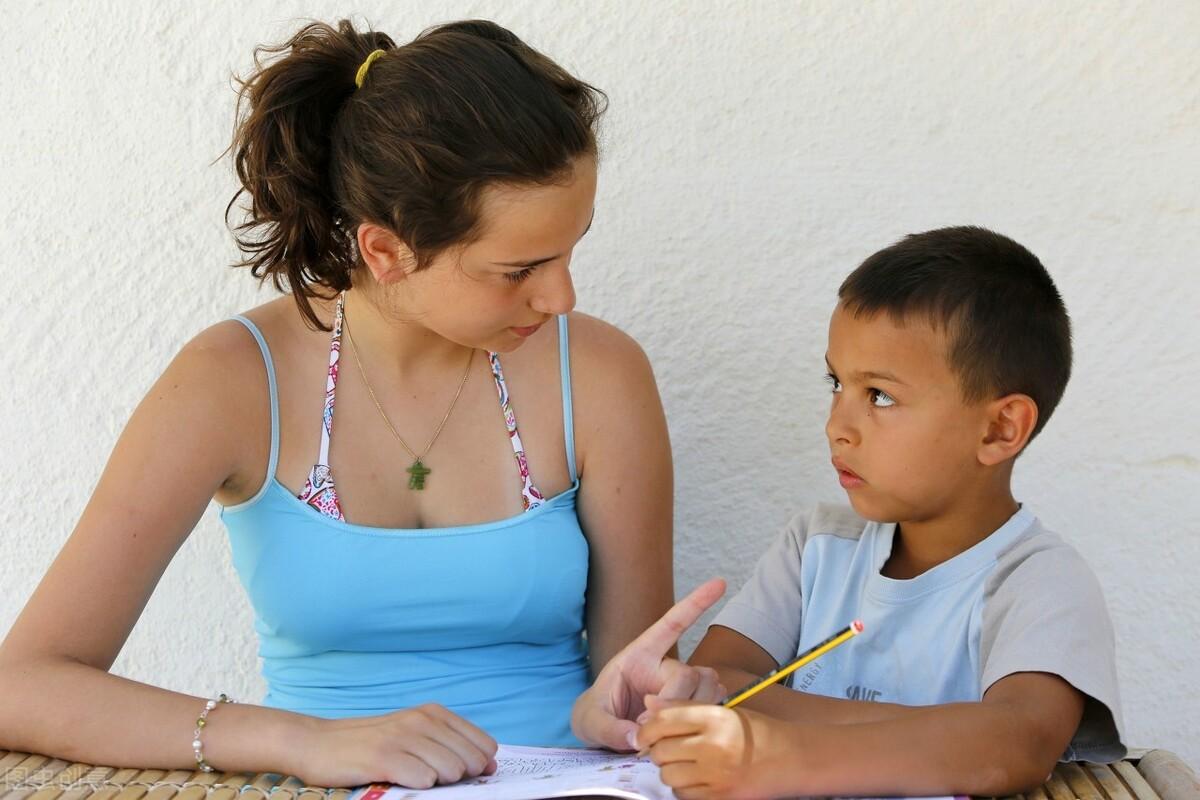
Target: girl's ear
387	258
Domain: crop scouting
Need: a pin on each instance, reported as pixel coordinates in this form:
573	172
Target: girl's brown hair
463	106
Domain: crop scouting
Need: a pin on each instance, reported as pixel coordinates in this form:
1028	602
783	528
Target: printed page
536	773
531	773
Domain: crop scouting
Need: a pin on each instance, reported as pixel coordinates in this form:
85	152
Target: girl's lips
529	331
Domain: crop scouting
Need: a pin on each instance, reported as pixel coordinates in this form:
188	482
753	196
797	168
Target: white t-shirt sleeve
1044	611
769	607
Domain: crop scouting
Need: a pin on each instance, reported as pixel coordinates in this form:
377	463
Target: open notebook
533	773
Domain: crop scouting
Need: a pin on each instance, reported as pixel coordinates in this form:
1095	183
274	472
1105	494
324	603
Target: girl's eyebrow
535	262
539	261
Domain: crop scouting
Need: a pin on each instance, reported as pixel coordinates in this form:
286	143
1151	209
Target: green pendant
416	475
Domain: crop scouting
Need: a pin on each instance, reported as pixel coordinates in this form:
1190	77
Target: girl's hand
607	714
416	747
708	751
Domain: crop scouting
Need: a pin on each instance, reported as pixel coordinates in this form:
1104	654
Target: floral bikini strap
530	496
319	491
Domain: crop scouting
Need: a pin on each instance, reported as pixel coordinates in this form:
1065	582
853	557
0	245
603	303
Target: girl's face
496	291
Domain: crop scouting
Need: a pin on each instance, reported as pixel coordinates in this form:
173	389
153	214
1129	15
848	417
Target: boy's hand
707	752
606	713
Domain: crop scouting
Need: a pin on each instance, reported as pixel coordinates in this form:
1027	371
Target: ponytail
294	233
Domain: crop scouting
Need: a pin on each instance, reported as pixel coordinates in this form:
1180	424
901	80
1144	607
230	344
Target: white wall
755	153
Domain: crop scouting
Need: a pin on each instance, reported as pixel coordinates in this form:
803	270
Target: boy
988	651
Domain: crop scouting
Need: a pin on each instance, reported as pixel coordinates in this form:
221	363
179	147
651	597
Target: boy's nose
839	428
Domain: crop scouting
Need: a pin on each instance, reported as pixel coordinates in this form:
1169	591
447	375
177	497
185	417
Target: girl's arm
205	418
625	507
626	486
179	447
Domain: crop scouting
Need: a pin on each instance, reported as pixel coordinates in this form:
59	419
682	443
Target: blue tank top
353	620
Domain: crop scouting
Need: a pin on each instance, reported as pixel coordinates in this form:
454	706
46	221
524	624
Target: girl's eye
834	384
881	399
520	275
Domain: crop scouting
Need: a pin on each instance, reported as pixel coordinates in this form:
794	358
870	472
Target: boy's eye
880	399
833	382
520	275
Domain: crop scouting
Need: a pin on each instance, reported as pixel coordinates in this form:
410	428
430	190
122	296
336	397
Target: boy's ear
1010	422
388	259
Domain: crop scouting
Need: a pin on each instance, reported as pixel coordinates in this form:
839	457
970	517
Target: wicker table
1152	775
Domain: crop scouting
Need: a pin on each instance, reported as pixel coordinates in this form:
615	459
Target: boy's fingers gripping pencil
850	631
746	692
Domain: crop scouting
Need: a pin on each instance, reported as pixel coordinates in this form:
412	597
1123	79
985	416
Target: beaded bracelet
201	721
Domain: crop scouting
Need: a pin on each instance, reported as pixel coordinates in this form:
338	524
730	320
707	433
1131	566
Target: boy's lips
847	477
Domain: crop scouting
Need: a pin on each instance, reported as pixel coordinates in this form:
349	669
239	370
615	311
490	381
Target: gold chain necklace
418	471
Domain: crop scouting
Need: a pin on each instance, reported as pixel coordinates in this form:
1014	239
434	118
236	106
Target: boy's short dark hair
1007	325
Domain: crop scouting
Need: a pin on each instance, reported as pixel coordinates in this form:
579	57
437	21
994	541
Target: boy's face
903	439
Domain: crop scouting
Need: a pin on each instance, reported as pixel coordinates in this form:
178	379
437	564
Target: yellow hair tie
366	65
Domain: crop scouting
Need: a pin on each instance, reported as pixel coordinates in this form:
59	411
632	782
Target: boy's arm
738	660
1004	744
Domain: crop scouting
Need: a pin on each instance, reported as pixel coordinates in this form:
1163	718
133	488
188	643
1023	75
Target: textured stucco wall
754	154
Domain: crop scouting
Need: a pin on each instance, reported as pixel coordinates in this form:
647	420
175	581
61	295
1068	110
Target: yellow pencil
746	692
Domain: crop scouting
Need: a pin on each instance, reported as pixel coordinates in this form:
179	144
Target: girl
497	482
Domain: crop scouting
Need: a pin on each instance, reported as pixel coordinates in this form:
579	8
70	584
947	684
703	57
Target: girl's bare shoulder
605	359
599	351
228	348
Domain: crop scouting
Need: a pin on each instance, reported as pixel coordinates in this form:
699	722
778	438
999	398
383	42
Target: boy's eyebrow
870	375
539	261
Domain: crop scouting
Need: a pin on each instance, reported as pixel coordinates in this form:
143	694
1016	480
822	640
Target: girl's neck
393	347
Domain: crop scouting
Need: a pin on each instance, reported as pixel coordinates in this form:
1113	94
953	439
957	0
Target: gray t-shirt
1021	600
